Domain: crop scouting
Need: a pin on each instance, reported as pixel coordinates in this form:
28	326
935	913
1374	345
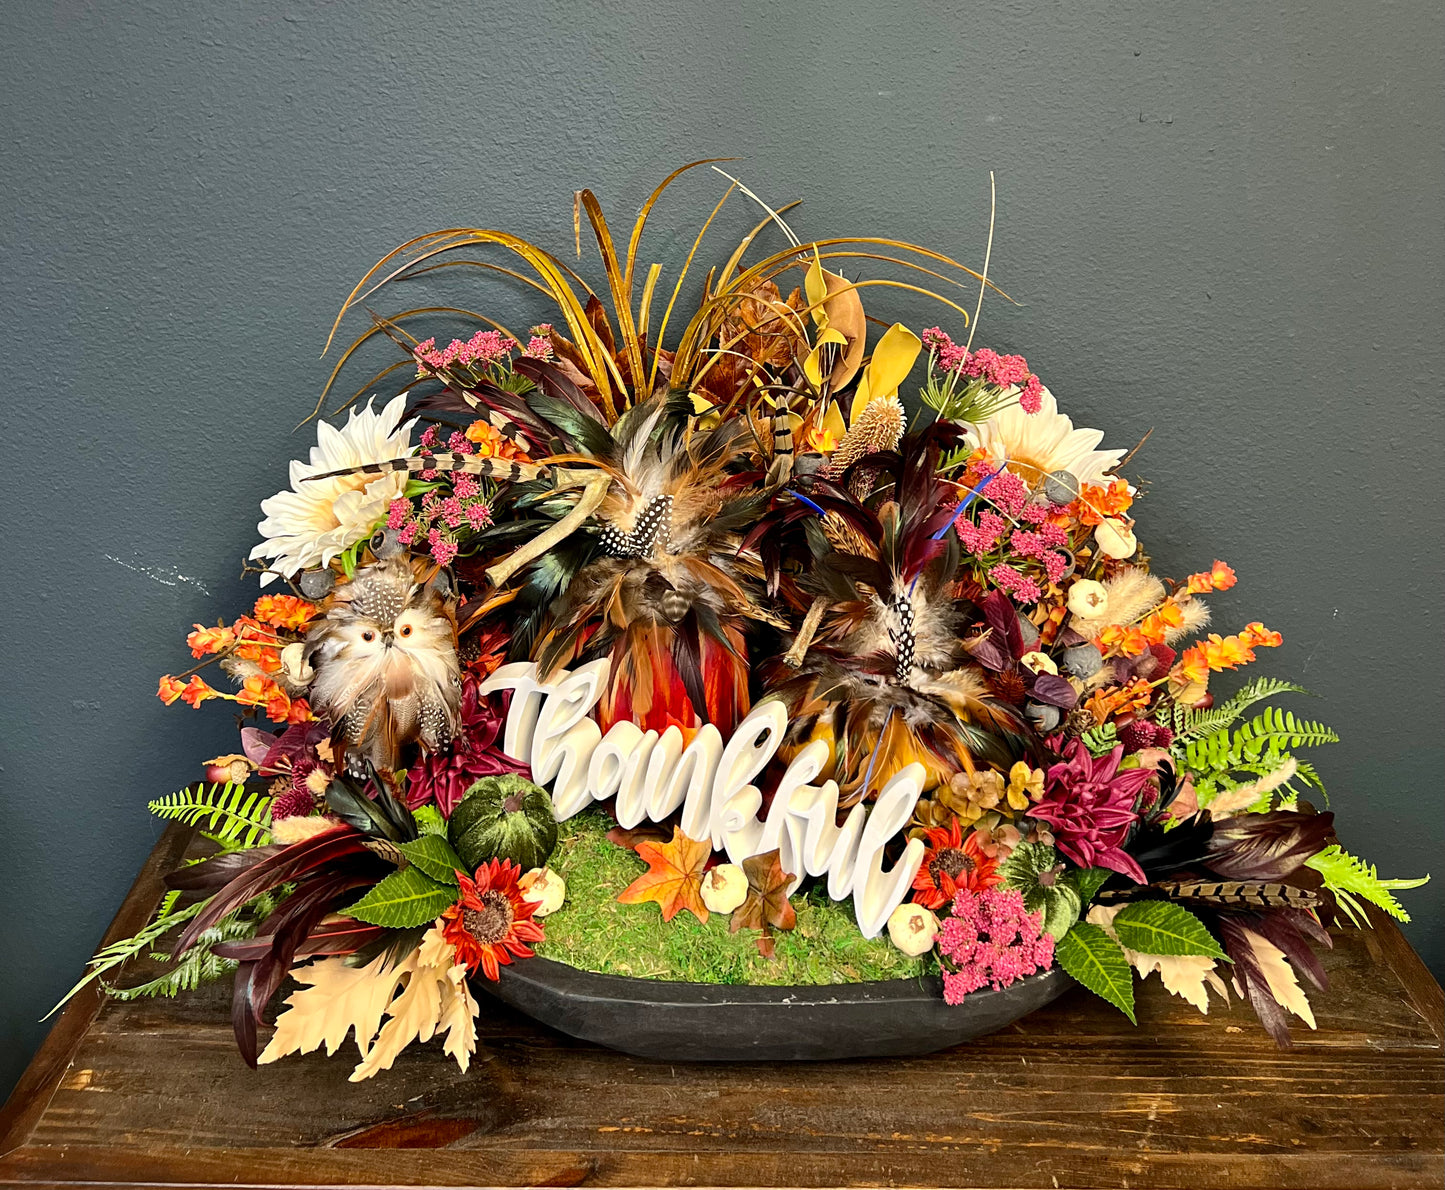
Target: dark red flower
444	777
952	864
1090	806
491	921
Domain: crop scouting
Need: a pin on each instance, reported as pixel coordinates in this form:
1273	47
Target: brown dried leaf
767	902
630	837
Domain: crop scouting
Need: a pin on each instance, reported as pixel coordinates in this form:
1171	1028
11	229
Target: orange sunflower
491	922
952	864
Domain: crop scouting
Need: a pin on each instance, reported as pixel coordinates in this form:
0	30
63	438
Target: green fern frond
1189	725
108	958
1280	729
198	966
1306	772
233	815
1349	878
1101	740
1267	735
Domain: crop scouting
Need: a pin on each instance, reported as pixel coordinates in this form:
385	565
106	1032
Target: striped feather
500	470
1252	893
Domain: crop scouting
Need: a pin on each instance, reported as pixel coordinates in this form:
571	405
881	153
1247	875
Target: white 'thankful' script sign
651	775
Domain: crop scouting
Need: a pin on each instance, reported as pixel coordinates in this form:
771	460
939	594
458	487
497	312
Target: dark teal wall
1223	221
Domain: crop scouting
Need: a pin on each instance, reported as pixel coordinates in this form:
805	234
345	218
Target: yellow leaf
833	421
812	366
339	999
892	360
435	1000
1188	976
816	289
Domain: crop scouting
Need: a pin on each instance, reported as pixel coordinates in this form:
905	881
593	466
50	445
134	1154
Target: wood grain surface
1073	1096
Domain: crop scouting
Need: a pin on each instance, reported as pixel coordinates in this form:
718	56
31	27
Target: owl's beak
388	639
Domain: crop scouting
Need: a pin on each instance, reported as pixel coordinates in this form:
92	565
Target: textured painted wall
1223	221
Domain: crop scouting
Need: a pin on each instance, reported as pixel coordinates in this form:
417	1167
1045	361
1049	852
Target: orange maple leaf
673	878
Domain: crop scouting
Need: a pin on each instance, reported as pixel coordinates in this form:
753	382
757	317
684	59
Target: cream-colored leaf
338	1000
1188	976
434	950
1283	985
459	1018
435	1000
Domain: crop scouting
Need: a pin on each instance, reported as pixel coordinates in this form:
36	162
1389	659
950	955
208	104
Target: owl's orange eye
406	630
368	635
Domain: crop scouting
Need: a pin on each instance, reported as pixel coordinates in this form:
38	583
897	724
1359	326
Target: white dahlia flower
1037	444
311	522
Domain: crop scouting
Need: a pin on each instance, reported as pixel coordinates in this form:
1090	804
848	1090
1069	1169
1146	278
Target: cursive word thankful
652	775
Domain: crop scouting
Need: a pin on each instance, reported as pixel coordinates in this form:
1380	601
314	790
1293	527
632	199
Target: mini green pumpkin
504	817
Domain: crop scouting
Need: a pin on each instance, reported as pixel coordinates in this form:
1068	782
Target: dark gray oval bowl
709	1022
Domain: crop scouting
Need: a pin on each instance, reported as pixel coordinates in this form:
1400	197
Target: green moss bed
594	932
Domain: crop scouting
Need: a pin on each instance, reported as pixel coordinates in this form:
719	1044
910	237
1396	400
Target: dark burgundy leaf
1054	690
288	863
1267	846
998	613
989	651
218	871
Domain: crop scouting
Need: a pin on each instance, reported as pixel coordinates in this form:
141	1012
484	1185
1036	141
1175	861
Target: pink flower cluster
1002	371
1144	733
1008	493
980	538
485	347
539	346
1019	585
441	519
990	938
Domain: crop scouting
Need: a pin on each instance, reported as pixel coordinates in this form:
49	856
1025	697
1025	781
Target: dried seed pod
1061	487
317	584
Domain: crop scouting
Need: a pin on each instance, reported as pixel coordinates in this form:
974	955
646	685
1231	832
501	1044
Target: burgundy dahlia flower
1090	805
445	777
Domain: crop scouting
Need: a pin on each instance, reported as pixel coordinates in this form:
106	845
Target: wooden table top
153	1093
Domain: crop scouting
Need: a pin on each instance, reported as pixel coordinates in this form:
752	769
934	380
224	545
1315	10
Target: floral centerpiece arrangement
657	619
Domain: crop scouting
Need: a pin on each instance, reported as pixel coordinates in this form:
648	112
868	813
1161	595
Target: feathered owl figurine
386	666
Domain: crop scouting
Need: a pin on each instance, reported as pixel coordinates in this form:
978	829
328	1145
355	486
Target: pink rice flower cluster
485	347
1029	551
1038	547
539	346
980	538
990	939
1090	805
441	520
1008	492
1002	371
1015	582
